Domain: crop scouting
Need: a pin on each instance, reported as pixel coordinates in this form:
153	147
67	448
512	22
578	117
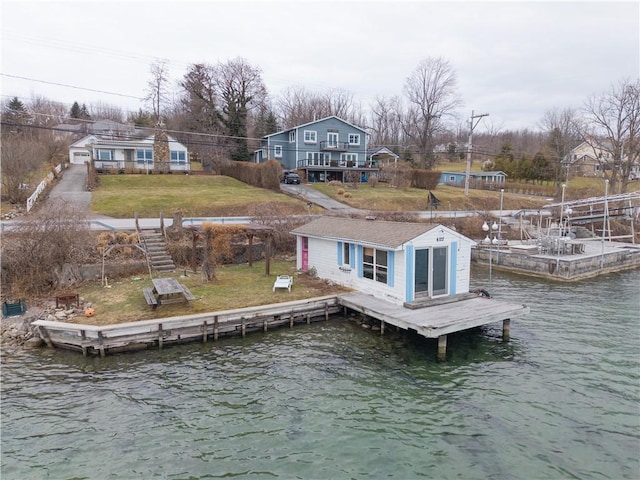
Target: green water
332	400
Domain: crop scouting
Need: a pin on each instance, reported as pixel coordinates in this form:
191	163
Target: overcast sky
513	60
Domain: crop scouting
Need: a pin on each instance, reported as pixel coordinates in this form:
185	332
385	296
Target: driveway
72	188
312	195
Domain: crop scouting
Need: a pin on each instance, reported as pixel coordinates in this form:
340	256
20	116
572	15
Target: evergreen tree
75	110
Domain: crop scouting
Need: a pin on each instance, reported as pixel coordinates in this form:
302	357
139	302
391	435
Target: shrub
340	191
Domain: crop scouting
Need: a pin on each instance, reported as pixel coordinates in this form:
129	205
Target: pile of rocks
19	331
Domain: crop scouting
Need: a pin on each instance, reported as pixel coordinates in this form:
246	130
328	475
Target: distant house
97	127
399	262
325	149
457	179
591	159
126	154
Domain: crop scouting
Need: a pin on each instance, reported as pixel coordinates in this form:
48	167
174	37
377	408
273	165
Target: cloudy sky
513	60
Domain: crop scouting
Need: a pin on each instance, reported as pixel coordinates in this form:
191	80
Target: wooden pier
435	320
103	339
439	319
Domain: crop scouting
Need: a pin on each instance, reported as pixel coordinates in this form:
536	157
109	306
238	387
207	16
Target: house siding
294	155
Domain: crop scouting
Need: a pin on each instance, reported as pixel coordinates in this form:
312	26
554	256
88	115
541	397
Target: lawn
120	196
387	198
236	286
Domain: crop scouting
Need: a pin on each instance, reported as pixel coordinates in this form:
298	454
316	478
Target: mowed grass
121	196
235	286
384	197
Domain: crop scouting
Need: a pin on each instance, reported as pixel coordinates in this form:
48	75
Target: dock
105	339
439	319
435	320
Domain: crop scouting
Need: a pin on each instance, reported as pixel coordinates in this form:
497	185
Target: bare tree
45	251
297	105
21	157
157	90
105	111
561	129
431	93
612	128
385	121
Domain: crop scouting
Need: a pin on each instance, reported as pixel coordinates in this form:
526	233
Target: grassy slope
121	196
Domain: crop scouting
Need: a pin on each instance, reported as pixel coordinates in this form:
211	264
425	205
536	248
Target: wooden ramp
437	321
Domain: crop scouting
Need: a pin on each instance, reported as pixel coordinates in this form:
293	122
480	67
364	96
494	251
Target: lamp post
490	242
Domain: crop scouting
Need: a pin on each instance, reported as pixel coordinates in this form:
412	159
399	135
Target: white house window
354	139
452	178
310	136
178	156
317	158
104	155
349	159
292	136
277	151
374	264
144	155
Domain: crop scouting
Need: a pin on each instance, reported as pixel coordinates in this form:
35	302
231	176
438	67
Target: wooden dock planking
435	320
196	327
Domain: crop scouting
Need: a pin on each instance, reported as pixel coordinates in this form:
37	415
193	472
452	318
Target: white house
126	153
400	262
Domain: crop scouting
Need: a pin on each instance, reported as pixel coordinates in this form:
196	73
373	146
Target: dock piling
506	329
442	347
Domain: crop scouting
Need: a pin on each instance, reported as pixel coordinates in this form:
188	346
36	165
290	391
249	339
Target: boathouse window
374	264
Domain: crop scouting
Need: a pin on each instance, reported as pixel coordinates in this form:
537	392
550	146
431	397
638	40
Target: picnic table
166	290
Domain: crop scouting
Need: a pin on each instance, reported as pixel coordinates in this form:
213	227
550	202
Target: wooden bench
150	297
187	293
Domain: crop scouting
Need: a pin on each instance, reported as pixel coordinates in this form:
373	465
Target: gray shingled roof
373	232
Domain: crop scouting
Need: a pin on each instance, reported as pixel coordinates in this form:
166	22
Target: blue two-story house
324	150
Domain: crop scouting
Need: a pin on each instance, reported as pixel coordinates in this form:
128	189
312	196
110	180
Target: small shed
398	261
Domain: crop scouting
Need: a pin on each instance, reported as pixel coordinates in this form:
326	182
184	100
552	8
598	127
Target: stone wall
565	268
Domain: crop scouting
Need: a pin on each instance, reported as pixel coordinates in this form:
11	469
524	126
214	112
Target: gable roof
372	232
379	150
311	123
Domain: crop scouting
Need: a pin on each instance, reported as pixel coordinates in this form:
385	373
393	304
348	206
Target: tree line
221	110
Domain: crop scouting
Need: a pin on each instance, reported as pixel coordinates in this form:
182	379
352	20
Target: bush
261	175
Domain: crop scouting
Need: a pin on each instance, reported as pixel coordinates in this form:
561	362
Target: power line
70	86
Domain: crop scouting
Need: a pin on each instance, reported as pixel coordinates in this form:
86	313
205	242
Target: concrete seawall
599	258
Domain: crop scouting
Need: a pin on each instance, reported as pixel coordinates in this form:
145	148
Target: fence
31	201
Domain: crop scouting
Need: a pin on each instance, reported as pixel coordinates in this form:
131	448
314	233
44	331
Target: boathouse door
430	278
305	253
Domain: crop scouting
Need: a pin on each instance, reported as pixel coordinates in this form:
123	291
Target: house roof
379	150
311	123
372	232
477	174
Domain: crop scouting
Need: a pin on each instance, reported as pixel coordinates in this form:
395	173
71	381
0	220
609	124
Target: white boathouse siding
325	252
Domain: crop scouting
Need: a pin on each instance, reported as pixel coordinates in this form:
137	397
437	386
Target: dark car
292	178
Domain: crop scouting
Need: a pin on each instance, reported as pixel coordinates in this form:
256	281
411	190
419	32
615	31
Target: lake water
332	400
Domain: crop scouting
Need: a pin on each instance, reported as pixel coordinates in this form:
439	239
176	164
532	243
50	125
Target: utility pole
472	125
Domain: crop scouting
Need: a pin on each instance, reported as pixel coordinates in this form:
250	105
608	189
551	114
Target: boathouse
399	262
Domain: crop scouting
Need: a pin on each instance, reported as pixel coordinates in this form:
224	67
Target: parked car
291	178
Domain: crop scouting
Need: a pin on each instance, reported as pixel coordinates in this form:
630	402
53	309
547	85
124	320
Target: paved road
71	188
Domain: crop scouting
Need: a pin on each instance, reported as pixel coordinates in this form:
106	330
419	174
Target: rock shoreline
19	332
